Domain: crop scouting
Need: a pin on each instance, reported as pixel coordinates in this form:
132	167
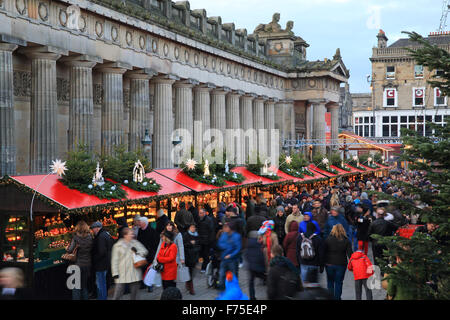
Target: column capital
250	95
8	46
186	83
165	78
261	98
144	74
82	60
114	67
318	101
236	93
221	91
205	87
44	52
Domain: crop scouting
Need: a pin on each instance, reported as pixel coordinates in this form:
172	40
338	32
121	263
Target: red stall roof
322	172
53	189
250	176
179	176
353	168
342	172
368	168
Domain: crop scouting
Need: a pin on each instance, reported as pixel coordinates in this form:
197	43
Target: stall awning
368	168
68	199
180	177
322	172
347	138
250	176
341	172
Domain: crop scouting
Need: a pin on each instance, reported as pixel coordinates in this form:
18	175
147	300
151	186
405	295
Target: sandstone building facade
103	72
401	95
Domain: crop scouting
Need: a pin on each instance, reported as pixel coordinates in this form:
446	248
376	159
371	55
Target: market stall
308	182
206	193
35	242
332	177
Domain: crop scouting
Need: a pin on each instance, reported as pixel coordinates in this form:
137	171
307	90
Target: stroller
212	269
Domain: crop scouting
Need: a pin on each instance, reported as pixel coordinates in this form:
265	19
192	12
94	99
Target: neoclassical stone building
102	72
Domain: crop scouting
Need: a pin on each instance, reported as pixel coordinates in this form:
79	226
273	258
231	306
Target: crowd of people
285	241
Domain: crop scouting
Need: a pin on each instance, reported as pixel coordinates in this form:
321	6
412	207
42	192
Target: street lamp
370	81
147	143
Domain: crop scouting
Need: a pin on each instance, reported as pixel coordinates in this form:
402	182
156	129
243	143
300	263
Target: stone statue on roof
272	27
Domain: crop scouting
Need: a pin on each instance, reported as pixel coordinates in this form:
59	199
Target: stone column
308	121
139	106
44	106
318	130
183	105
258	125
334	109
202	110
112	108
279	121
7	136
246	114
233	126
290	122
269	123
218	106
81	109
163	121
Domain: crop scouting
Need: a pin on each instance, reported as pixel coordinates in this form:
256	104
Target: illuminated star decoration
369	160
288	160
325	161
58	167
190	164
355	158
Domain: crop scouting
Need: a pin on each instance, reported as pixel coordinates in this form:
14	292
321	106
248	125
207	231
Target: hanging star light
58	167
369	160
288	160
325	161
190	164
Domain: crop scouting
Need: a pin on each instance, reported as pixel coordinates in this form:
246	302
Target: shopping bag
183	273
139	261
149	277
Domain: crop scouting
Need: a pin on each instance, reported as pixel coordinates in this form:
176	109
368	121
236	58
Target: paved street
204	293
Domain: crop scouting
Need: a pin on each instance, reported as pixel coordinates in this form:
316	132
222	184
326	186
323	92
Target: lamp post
147	143
370	81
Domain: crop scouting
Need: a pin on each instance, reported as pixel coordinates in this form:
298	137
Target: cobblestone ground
205	293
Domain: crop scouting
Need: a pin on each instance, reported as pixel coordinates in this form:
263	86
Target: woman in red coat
290	243
167	256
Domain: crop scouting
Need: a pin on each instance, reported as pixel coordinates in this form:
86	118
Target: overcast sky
351	25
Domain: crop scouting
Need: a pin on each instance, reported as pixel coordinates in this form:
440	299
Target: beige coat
122	261
290	218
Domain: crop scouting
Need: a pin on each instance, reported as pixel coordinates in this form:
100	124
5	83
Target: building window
390	72
385	119
419	97
366	131
438	118
418	71
439	99
394	119
394	132
385	130
366	119
403	119
390	97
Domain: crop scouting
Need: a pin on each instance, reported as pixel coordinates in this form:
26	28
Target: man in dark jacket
206	233
320	214
161	221
334	219
150	240
383	228
255	261
261	206
194	211
250	209
101	258
254	223
183	218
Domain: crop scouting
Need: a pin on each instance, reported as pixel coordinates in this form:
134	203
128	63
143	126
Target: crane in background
445	10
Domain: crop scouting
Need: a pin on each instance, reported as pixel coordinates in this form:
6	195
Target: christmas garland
354	164
372	165
234	177
109	190
148	185
292	172
255	170
211	179
338	165
327	168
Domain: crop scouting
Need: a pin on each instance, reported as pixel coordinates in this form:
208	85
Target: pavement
205	293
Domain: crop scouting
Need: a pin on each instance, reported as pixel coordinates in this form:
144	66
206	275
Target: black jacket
183	219
191	251
283	280
101	251
194	211
261	209
20	294
250	211
382	227
161	223
150	240
84	251
255	255
254	223
319	250
362	228
279	227
206	230
337	251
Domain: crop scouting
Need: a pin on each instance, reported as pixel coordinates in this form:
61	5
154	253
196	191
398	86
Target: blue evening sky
351	25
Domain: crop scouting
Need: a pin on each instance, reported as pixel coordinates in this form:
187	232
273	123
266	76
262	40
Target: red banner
328	127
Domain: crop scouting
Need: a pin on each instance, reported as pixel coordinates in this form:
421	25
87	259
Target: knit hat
280	208
169	235
96	224
268	224
364	196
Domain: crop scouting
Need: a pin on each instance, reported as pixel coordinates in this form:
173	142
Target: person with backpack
307	219
362	270
310	251
101	258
